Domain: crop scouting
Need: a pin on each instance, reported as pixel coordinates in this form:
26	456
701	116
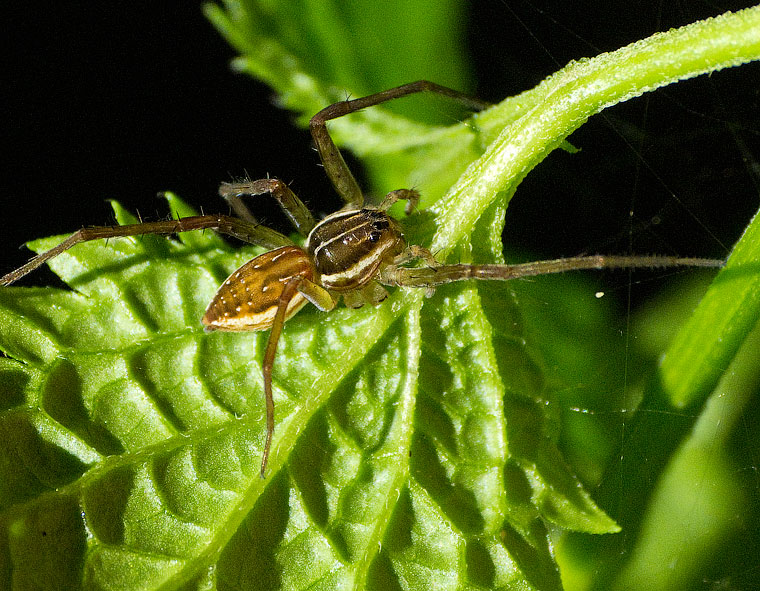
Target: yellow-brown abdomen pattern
248	299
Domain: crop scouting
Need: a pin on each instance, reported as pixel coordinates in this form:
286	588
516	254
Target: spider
353	253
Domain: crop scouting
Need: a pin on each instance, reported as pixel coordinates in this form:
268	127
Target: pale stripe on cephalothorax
356	271
339	216
369	235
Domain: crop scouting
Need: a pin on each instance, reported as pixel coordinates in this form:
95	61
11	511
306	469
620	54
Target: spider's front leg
336	168
396	274
435	273
411	196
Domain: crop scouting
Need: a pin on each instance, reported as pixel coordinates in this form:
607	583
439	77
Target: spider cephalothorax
348	247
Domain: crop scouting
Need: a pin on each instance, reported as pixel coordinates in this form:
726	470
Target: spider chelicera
352	253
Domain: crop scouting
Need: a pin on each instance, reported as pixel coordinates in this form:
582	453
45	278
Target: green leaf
313	53
724	318
665	558
416	443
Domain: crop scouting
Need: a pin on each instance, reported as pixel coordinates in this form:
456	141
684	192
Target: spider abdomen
248	298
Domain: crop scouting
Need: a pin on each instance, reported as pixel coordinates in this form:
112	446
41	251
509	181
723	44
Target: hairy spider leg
322	300
336	168
411	196
298	214
241	229
288	292
437	274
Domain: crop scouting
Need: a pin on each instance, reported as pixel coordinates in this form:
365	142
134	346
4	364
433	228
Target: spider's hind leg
240	229
294	208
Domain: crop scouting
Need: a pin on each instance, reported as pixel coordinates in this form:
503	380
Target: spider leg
241	229
413	252
322	300
411	197
393	271
431	276
290	290
297	212
336	168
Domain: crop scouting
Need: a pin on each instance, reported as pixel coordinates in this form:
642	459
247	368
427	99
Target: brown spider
352	253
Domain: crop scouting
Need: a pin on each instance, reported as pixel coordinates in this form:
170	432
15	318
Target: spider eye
374	236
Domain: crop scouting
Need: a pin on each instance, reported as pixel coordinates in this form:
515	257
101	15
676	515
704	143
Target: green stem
539	120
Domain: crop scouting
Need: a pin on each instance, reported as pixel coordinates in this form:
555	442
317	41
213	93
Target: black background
121	100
